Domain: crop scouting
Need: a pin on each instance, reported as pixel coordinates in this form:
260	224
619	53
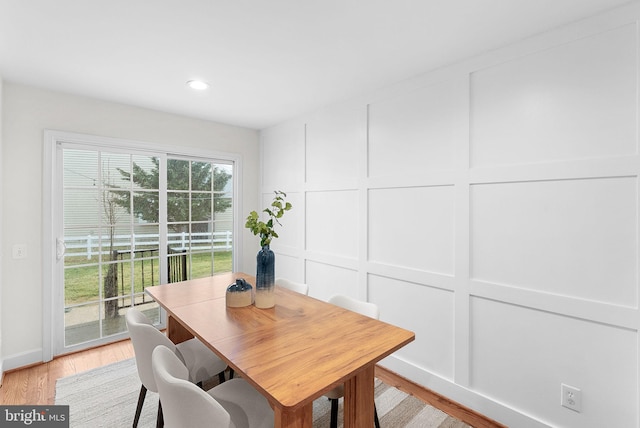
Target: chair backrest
364	308
291	285
184	405
145	337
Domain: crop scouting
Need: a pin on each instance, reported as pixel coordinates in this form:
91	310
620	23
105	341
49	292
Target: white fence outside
90	245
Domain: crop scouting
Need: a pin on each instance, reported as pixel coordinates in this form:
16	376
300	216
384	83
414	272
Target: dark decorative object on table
239	294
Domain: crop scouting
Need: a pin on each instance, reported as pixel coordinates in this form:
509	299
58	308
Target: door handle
61	248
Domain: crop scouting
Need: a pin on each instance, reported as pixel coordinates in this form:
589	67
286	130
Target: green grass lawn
82	283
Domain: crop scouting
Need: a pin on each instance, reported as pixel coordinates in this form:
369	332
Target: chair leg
375	416
230	373
143	393
334	412
160	419
221	378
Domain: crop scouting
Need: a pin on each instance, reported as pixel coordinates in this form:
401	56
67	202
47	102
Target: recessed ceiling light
198	84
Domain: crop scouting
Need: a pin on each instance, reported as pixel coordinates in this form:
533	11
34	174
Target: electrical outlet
571	397
19	251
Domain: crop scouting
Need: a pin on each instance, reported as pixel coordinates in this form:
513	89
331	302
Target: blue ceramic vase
265	278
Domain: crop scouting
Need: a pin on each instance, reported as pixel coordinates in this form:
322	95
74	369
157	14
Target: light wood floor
36	385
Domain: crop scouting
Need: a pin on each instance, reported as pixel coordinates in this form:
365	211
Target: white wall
27	112
492	208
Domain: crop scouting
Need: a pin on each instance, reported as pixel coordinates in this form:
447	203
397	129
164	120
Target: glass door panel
199	218
112	240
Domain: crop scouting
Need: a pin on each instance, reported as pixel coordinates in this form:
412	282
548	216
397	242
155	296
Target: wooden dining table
292	353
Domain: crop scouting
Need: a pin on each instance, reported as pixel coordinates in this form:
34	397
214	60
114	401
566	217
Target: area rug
107	397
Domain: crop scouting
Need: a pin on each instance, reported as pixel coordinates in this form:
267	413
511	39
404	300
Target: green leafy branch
275	211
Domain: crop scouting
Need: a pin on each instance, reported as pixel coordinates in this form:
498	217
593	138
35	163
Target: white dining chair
234	403
363	308
292	285
202	363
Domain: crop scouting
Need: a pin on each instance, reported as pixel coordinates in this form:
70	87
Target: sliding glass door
128	220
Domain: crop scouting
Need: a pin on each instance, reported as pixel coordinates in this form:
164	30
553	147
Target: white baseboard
465	396
20	360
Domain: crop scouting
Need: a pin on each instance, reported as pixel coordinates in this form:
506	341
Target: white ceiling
266	60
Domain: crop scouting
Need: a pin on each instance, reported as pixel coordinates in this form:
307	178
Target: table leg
176	331
302	418
358	399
